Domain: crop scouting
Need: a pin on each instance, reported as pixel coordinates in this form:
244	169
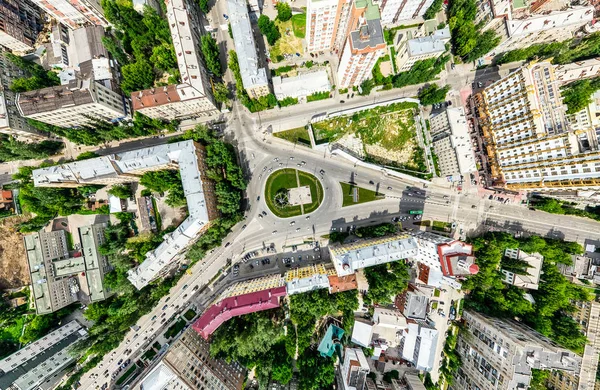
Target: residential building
362	332
364	45
139	5
577	70
187	156
353	372
193	97
301	86
6	200
42	363
254	77
187	364
331	341
394	12
342	283
410	381
419	345
452	142
531	279
325	20
60	276
500	354
11	121
348	258
74	104
527	138
22	22
75	13
413	304
411	50
305	279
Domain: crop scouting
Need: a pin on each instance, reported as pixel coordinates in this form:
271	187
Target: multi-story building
420	48
419	345
500	354
74	104
352	374
398	11
254	77
531	279
11	121
193	97
364	45
452	143
527	138
301	86
75	13
325	24
21	22
42	363
60	276
187	365
305	279
187	156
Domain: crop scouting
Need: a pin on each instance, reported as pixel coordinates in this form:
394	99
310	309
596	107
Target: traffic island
352	195
290	192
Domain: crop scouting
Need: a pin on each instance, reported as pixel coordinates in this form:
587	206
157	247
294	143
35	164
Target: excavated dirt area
13	260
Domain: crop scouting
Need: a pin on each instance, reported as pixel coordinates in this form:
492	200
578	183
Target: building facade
452	143
301	86
500	354
21	22
75	13
325	20
74	104
527	138
364	45
420	48
353	372
398	11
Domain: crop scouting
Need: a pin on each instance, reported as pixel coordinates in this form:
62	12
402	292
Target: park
291	192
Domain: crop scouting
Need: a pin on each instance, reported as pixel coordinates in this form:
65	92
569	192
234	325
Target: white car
274	232
292	223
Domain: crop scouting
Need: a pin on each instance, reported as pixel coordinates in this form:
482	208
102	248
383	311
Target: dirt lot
13	260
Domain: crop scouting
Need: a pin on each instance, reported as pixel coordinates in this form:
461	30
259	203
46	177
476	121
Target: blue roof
332	338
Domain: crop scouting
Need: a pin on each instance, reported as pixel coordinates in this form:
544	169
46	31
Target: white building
139	5
74	13
193	97
72	105
420	344
162	377
305	279
363	47
254	77
355	369
421	48
532	279
301	86
394	12
577	70
452	145
350	257
323	21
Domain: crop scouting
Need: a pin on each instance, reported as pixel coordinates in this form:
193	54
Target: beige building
74	104
528	140
411	50
22	22
499	354
326	24
75	13
452	143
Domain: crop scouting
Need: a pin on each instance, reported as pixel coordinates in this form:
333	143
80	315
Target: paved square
299	195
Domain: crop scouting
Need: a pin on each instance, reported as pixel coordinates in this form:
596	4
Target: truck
415	212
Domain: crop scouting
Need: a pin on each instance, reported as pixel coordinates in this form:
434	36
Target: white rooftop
420	343
361	333
553	20
302	85
460	139
245	46
430	44
162	378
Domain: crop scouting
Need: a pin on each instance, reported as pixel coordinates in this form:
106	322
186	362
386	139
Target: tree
316	372
386	281
122	191
284	11
221	92
204	6
163	57
578	95
433	10
393	374
137	76
36	76
432	94
268	28
11	149
210	51
467	39
86	156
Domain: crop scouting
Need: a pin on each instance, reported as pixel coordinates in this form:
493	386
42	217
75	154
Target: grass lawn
297	135
285	179
149	355
299	25
189	315
126	375
176	328
157	217
289	43
441	226
364	195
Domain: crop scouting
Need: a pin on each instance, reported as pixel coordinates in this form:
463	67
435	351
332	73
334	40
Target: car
196	287
308	217
260	215
473	206
265	168
342	101
164	308
446	197
274	232
292	223
184	287
303	162
119	362
292	157
389	188
153	318
270	170
236	266
226	245
371	182
243	227
257	198
297	229
322	172
479	84
226	16
264	213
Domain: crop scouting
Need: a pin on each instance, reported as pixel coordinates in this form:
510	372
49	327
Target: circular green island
291	192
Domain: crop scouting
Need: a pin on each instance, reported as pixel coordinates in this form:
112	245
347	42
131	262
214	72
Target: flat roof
91	236
37	272
550	21
49	99
301	85
369	35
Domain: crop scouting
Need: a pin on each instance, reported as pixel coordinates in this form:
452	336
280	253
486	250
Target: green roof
519	4
372	11
330	340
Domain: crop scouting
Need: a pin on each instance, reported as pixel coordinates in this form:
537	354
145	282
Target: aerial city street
300	195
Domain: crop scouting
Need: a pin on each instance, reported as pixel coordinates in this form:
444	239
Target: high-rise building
74	104
527	138
499	354
21	21
187	364
398	11
353	372
364	45
75	13
325	20
193	97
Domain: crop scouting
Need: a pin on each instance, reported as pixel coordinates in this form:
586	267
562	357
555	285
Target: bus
415	212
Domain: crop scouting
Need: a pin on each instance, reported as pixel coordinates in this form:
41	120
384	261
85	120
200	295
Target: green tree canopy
137	76
468	40
210	51
433	94
268	28
122	191
11	149
36	76
386	281
284	11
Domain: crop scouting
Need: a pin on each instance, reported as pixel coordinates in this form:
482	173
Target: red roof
451	253
239	305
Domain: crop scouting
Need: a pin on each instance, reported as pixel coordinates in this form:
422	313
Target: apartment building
500	354
395	12
187	364
364	45
411	50
352	374
11	121
74	13
21	22
60	275
193	97
326	24
73	105
452	143
527	137
305	279
41	364
531	279
254	77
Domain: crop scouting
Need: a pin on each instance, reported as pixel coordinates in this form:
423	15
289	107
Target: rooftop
420	344
361	333
368	36
552	20
301	85
328	343
76	93
245	46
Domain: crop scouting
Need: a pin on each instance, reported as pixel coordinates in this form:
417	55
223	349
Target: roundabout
291	192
